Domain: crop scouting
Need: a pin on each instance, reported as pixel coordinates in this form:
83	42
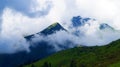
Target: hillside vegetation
96	56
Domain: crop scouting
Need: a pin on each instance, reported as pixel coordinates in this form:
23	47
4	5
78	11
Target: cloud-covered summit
19	18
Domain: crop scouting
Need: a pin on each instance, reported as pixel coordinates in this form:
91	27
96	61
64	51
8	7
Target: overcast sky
20	18
41	13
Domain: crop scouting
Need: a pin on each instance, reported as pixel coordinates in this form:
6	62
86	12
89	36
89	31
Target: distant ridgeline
78	21
105	26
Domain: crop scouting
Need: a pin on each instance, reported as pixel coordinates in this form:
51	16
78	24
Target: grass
115	64
96	56
53	25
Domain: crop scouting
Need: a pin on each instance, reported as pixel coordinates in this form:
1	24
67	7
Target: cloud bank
25	17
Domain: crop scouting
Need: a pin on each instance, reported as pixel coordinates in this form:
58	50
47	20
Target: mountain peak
52	28
49	30
105	26
79	21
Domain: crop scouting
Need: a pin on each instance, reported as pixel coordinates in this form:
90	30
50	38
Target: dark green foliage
32	65
73	63
46	64
96	56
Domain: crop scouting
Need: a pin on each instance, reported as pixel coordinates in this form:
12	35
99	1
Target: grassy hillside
97	56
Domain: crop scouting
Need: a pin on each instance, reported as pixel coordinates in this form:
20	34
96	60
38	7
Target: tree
73	63
50	65
82	65
47	64
32	65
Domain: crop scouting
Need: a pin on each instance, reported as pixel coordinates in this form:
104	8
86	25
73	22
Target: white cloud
40	5
17	24
102	10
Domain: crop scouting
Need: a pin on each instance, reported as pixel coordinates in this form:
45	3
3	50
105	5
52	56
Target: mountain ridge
47	31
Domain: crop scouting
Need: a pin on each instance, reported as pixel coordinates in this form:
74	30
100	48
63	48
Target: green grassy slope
97	56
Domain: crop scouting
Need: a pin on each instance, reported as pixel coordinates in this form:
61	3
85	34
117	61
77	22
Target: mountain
49	30
95	56
105	26
52	29
79	21
39	49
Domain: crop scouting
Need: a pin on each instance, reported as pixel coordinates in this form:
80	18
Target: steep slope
49	30
52	29
96	56
39	51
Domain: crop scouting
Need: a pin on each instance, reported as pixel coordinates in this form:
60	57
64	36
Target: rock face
79	21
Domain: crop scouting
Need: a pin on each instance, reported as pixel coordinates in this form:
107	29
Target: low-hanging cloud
86	36
22	18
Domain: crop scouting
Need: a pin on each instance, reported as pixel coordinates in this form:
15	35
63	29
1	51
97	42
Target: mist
34	16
